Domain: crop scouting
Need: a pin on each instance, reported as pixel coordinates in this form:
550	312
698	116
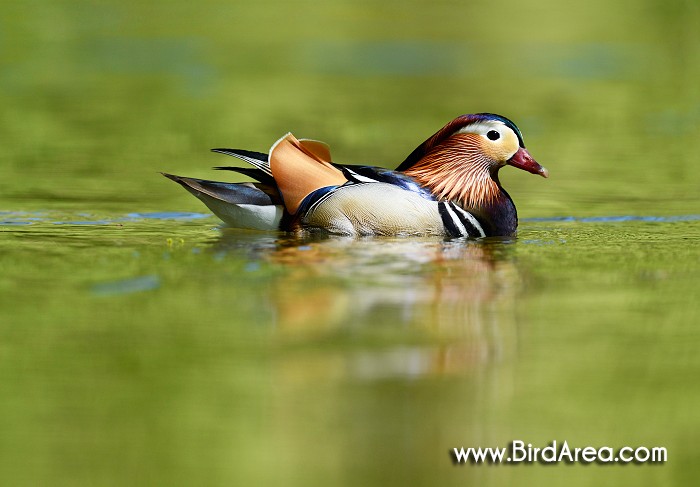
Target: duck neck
500	216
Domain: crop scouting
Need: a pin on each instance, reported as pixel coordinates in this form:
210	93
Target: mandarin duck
448	186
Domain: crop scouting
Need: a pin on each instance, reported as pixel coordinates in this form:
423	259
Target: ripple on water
126	286
614	219
168	215
11	218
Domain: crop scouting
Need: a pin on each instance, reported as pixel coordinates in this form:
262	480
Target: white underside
255	217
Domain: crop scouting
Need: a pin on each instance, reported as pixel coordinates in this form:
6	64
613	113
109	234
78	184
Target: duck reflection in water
395	306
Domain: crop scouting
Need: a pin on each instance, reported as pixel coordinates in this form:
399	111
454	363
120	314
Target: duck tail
242	205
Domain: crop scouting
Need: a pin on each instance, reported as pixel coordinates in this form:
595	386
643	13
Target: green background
141	344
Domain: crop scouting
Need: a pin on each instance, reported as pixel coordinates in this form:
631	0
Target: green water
140	344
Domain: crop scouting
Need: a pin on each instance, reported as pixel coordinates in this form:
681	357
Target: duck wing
374	174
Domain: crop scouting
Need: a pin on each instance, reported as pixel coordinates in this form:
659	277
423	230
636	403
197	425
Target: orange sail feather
298	171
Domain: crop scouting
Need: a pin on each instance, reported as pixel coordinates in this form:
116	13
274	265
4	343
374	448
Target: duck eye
493	135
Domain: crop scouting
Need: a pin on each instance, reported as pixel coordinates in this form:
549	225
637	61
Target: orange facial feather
459	170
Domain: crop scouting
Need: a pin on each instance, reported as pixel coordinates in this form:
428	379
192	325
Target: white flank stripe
361	178
455	219
473	220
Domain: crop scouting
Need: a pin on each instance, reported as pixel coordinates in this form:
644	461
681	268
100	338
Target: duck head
461	161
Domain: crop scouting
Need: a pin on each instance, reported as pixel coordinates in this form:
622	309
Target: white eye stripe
500	149
483	128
